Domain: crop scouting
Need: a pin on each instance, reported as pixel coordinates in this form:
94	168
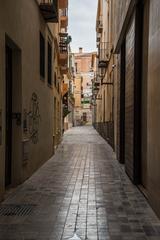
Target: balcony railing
49	10
98	39
63	42
96	84
64	17
63	52
104	52
99	27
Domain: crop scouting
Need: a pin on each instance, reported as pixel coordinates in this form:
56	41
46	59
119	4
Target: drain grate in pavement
16	209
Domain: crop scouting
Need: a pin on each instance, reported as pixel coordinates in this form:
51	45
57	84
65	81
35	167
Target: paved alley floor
82	193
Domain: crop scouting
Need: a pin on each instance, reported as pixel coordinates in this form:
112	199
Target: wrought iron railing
98	38
104	53
49	10
100	25
63	42
95	84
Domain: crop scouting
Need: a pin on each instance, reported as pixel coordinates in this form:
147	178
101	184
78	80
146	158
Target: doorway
13	100
140	94
8	150
122	103
145	39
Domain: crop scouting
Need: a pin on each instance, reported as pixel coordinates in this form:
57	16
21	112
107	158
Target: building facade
30	86
103	88
134	36
63	64
83	88
68	93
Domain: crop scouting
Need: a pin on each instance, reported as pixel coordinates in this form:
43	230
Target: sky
82	24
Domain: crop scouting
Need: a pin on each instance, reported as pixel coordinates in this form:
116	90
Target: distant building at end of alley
85	71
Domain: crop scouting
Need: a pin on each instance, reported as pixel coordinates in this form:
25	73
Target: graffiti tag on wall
34	118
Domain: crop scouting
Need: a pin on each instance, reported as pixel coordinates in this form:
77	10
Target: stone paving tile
82	193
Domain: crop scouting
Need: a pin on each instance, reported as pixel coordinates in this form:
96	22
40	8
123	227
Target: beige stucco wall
105	95
22	22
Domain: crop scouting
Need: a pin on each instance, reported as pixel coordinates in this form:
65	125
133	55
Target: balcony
65	103
98	39
49	10
63	50
99	26
104	52
64	69
95	88
64	17
96	83
63	4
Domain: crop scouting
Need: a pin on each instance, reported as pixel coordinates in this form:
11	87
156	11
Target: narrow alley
82	192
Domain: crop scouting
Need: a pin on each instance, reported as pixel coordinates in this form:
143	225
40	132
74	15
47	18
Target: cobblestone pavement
81	193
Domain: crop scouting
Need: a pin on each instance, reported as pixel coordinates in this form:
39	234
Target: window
49	64
58	88
76	65
55	79
42	56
